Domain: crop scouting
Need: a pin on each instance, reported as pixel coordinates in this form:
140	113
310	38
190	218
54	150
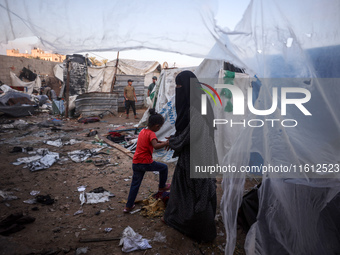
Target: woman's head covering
189	83
183	99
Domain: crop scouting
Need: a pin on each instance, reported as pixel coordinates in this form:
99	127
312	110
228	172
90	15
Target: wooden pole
98	239
115	75
67	87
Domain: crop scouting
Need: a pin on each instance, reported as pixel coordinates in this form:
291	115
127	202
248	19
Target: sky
227	15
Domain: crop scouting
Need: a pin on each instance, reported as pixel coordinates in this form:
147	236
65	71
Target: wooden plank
98	239
118	147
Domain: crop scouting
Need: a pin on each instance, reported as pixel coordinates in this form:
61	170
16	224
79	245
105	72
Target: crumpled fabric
94	198
43	160
132	241
82	155
43	163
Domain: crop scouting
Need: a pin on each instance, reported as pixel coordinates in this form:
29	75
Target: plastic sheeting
28	86
275	39
165	105
120	26
101	77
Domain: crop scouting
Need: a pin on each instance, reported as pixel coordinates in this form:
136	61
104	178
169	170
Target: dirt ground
56	229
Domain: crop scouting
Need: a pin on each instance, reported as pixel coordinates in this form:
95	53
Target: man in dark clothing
152	85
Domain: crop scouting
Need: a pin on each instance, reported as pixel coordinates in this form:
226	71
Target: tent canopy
296	39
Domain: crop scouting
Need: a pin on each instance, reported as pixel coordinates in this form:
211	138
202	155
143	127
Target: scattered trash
92	133
135	211
132	241
94	198
20	149
97	195
49	123
14	223
81	188
80	211
46	200
89	120
7	196
72	141
43	160
107	230
81	250
82	155
116	137
159	237
101	162
34	192
43	163
155	204
57	143
18	124
30	201
98	190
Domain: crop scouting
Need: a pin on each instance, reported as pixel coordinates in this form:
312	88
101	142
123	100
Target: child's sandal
128	209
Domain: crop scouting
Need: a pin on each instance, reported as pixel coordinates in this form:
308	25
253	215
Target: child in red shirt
142	160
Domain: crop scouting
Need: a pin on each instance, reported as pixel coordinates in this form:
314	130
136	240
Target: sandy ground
56	229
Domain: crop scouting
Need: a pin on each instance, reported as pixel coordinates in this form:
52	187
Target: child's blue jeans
138	174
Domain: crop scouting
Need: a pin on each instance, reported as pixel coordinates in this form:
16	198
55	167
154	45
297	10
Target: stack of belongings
16	103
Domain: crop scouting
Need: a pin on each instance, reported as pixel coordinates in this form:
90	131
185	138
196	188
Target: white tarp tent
275	39
164	103
101	77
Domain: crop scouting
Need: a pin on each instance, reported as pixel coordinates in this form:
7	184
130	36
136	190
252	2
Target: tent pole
68	66
115	75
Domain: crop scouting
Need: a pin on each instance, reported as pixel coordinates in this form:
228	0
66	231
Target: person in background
152	85
130	98
142	159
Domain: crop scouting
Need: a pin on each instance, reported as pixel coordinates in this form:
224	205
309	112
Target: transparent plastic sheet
274	39
176	26
279	39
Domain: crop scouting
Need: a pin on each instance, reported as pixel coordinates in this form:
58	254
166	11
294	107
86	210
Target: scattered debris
98	239
135	211
7	196
159	237
80	211
46	200
81	250
34	192
14	223
92	133
30	201
20	149
82	155
89	120
98	195
43	160
57	143
132	241
117	146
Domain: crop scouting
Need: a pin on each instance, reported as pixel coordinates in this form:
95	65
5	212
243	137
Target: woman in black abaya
191	208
